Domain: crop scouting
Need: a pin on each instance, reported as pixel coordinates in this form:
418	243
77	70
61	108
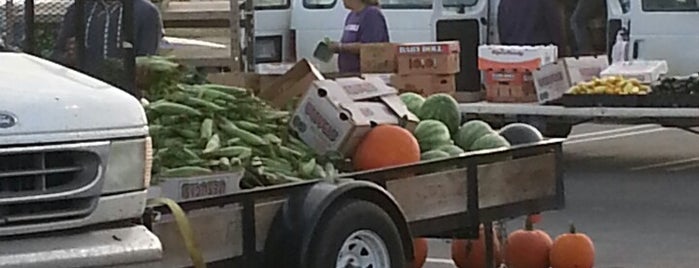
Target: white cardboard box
328	119
554	79
645	71
492	57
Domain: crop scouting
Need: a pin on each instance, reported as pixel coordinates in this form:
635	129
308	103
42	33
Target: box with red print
429	58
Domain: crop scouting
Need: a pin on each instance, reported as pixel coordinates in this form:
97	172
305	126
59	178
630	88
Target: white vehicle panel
45	98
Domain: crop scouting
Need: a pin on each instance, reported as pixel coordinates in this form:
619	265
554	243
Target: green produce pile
687	85
207	128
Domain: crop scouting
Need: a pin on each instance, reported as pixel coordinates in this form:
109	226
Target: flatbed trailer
557	121
317	224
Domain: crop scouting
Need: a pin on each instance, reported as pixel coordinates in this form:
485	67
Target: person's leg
579	21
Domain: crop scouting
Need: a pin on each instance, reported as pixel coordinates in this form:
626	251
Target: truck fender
293	227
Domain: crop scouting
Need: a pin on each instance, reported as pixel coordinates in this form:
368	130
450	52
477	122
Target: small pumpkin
420	252
385	146
572	250
528	248
471	253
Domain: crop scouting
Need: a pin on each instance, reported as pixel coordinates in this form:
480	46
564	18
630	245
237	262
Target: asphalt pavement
633	189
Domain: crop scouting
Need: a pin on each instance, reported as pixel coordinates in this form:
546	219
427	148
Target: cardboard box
385	77
328	120
374	89
294	83
425	84
378	58
496	57
515	86
553	80
429	58
645	71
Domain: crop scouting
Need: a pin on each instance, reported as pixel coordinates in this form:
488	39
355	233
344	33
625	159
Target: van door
272	31
617	18
666	30
466	21
313	20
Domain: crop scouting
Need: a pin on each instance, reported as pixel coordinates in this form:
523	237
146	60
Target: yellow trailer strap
185	229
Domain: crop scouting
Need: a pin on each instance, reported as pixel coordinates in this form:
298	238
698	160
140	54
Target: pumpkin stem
528	224
572	228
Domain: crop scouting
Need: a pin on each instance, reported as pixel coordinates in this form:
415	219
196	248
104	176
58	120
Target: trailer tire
554	130
356	227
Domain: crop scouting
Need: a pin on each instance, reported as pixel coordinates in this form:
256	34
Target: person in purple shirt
530	22
364	24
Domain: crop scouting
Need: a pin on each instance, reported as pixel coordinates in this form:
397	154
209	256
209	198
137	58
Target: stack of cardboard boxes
423	68
508	70
334	115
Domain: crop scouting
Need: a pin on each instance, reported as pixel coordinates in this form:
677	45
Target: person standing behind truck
530	22
364	24
585	11
103	32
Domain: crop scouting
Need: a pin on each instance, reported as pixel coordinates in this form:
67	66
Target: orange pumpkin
572	250
471	253
385	146
420	252
528	248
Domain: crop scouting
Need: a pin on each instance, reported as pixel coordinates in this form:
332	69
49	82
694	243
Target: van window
670	5
271	4
459	3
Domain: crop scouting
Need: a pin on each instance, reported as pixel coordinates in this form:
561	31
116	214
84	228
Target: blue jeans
584	12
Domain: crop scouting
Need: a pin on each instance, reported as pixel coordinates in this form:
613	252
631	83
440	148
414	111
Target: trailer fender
293	227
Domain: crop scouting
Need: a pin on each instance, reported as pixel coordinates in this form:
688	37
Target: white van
659	29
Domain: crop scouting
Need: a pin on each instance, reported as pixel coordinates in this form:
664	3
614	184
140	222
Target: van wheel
557	130
357	234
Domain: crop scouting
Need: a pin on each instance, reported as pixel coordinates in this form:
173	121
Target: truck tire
358	233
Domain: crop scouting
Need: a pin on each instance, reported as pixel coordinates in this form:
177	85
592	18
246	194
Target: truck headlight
129	166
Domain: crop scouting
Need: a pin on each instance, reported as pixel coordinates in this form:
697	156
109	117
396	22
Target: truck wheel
357	234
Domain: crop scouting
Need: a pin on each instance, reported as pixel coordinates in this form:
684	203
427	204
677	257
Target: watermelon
431	134
442	107
519	133
490	141
413	101
433	154
471	131
451	149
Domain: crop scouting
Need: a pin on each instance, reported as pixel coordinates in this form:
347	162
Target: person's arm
372	29
67	31
554	22
150	32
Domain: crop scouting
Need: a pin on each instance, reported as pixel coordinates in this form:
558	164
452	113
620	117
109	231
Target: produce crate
669	100
199	187
599	100
513	86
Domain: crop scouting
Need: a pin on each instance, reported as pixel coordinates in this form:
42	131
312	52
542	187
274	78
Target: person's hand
334	46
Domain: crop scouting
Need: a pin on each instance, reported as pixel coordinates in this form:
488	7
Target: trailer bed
447	197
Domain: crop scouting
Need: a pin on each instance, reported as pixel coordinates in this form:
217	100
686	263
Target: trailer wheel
554	130
357	234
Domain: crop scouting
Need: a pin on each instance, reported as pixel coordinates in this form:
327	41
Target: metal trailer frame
551	118
306	203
